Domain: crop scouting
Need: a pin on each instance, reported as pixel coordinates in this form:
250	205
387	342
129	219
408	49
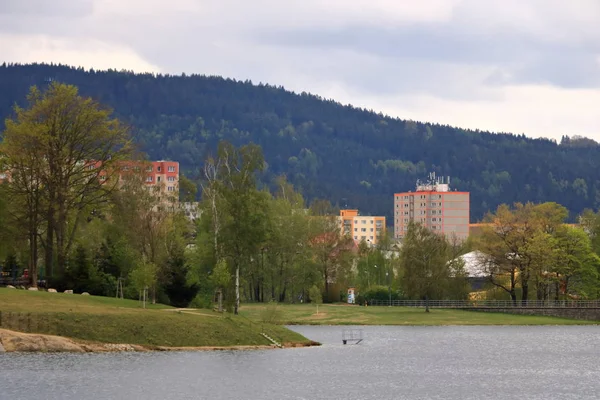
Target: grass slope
111	320
338	314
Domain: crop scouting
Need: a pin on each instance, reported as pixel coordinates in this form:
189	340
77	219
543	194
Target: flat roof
429	191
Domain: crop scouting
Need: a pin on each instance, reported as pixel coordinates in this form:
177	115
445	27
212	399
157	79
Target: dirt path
193	311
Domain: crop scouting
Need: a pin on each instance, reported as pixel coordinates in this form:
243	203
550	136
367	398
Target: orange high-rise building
435	207
361	227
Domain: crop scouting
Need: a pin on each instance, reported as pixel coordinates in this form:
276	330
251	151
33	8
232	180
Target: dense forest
350	156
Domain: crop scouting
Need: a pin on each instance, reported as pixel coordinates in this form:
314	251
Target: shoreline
14	341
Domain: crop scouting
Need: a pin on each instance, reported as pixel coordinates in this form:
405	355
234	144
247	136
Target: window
158	169
171	178
371	221
91	167
158	179
363	229
125	168
102	177
355	229
171	188
371	237
149	179
355	237
364	222
171	169
149	169
363	237
371	229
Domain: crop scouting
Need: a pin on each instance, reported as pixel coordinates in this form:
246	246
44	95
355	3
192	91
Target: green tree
242	207
429	269
315	296
68	145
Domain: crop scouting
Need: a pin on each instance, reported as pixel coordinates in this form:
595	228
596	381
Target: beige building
362	227
434	206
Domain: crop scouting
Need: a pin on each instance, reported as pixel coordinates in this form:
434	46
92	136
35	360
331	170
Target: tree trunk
426	303
525	294
513	297
237	289
33	255
49	250
61	223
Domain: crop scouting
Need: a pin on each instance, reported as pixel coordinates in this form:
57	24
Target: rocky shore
12	341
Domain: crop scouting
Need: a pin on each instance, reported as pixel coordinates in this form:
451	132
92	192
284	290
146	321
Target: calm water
392	363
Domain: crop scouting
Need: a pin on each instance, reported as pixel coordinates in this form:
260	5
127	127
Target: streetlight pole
368	269
389	288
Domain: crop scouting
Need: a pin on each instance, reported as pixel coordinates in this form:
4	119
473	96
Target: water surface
476	362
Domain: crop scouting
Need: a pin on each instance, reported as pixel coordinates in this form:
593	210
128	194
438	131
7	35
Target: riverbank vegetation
110	320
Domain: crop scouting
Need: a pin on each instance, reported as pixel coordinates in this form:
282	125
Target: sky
519	66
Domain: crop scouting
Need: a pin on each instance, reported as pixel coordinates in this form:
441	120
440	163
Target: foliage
528	247
60	152
304	136
378	292
429	268
315	295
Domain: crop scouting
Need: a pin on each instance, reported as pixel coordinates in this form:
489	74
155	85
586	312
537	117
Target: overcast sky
521	66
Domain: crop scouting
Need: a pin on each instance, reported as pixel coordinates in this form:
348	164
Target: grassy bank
110	320
339	314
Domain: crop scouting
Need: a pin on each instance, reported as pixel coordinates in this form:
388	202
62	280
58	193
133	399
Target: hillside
350	156
111	320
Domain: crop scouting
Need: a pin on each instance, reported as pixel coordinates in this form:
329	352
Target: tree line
74	219
70	214
347	155
529	253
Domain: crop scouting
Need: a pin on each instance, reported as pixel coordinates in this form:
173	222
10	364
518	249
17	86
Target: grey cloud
46	8
526	59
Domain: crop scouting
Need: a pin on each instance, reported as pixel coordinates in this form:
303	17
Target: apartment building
161	177
435	206
362	227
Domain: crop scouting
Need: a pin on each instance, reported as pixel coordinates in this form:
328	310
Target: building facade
361	227
436	207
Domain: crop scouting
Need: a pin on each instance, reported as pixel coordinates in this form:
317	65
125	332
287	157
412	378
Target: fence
488	303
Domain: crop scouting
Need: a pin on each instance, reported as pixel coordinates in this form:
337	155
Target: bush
377	293
202	300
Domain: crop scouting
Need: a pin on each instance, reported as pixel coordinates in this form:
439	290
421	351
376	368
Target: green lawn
340	314
111	320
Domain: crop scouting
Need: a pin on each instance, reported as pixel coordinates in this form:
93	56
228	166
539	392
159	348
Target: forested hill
350	156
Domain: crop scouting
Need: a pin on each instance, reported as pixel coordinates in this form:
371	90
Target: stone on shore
68	292
33	288
85	294
52	290
10	287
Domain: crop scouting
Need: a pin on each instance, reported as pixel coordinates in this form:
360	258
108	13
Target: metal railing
489	303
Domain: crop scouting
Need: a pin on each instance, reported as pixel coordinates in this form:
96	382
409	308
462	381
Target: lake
468	362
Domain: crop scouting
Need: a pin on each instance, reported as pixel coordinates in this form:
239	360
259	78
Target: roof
476	264
450	192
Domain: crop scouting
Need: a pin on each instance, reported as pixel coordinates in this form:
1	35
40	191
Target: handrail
488	303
